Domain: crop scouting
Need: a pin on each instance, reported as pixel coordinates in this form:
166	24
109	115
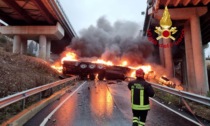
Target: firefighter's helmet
140	73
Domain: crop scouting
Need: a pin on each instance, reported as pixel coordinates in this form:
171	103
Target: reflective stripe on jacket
140	93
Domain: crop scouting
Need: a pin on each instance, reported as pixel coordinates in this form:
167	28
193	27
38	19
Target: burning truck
100	69
88	70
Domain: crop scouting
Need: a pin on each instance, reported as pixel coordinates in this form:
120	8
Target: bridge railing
6	101
56	5
190	96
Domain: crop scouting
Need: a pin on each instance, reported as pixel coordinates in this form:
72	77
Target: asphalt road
97	103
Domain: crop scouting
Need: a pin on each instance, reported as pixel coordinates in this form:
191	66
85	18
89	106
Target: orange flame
57	66
109	63
70	56
124	63
146	69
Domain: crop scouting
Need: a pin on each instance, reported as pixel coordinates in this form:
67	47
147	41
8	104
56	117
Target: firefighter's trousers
139	117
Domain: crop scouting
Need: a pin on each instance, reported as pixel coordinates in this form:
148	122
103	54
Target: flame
69	56
133	74
109	63
146	68
124	63
57	66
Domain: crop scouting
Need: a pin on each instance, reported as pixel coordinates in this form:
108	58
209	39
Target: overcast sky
83	13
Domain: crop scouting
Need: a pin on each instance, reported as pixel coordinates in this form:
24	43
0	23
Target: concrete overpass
41	20
192	17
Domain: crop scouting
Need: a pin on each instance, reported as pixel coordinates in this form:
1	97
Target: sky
83	13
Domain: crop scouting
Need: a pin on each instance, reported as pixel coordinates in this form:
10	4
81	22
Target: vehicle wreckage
88	70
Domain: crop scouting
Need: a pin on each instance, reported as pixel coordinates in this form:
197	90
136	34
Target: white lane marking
48	117
193	121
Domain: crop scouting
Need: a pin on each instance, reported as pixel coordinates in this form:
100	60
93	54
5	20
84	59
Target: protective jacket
140	93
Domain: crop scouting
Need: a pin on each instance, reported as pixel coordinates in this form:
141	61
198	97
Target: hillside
21	72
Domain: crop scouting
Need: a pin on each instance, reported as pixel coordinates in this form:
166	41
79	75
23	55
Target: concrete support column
16	44
23	46
191	83
168	57
48	50
201	74
161	53
42	46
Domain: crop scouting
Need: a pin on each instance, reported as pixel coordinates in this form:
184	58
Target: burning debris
108	52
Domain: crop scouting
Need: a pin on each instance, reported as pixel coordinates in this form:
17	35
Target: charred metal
88	70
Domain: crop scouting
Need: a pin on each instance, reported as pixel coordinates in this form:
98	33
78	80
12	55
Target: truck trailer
88	70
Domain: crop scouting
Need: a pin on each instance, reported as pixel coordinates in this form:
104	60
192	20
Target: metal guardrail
190	96
24	94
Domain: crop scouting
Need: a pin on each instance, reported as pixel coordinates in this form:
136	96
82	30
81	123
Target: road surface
97	103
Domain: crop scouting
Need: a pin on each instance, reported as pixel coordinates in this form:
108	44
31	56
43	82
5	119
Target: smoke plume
120	41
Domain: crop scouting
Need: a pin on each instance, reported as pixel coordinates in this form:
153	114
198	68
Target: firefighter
140	93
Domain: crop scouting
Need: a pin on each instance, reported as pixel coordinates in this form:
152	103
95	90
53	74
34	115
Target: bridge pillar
168	57
42	47
23	46
16	44
161	53
199	63
192	87
48	50
41	33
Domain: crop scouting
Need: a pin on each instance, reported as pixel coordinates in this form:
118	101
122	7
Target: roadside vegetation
19	73
199	110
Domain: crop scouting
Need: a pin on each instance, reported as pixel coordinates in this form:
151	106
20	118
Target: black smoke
115	42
